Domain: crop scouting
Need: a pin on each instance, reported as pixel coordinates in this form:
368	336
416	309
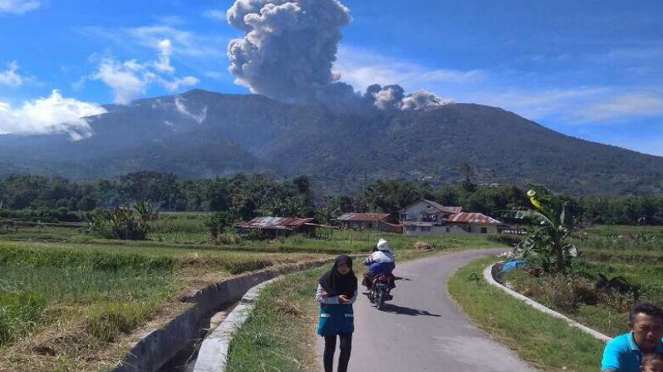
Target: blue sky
591	69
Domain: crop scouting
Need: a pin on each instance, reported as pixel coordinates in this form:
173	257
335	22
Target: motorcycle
379	292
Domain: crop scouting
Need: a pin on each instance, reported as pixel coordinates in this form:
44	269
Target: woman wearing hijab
337	291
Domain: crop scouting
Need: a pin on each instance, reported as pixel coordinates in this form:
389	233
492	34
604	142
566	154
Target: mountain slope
205	134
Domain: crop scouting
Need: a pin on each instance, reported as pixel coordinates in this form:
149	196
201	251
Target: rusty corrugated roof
472	218
357	217
275	223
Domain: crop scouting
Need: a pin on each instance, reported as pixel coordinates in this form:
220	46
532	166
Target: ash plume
288	52
421	99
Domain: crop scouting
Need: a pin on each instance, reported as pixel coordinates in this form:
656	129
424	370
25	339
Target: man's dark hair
645	308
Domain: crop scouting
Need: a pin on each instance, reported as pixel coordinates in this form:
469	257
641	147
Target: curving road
422	329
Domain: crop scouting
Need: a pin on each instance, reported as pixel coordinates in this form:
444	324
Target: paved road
422	329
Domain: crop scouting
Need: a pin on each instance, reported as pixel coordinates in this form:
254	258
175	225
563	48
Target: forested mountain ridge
205	134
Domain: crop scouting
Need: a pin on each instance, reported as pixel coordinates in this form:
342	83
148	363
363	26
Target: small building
369	221
427	211
274	227
476	223
426	217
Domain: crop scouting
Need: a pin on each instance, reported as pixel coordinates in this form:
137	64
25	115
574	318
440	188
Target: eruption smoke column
289	50
289	47
422	98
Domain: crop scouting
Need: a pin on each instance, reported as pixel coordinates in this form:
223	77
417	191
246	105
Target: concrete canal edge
213	354
488	276
158	346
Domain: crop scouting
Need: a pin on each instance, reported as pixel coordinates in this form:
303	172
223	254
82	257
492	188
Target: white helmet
383	245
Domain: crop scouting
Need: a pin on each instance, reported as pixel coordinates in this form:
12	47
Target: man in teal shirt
624	353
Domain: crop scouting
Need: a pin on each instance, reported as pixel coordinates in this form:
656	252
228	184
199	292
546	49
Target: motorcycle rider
380	261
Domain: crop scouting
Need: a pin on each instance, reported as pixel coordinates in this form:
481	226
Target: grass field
189	230
68	307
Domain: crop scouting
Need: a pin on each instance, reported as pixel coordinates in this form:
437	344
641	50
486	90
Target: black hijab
336	284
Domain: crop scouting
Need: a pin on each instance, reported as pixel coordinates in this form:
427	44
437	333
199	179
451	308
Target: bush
217	223
568	292
254	235
229	238
123	223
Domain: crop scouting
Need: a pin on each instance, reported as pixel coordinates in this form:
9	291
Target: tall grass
110	290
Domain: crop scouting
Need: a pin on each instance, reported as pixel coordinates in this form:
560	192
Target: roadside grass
547	343
280	332
66	307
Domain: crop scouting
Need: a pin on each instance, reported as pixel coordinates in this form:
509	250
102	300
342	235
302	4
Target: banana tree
548	233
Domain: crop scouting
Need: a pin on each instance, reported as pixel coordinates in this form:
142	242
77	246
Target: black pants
330	348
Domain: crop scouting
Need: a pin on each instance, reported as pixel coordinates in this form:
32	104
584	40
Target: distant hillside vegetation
205	134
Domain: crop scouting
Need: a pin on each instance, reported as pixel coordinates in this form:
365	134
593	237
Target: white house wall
453	230
413	212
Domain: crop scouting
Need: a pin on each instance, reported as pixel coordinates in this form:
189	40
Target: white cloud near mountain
163	62
131	79
52	114
362	68
623	106
18	6
128	79
10	76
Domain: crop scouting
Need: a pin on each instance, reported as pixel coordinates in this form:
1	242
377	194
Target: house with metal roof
476	223
368	221
427	211
426	217
274	227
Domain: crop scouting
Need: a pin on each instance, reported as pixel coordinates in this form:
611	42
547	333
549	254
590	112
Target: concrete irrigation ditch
157	347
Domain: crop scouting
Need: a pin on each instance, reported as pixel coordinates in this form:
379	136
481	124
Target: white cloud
576	105
18	6
10	76
130	79
623	106
163	62
362	68
177	83
217	14
185	43
53	114
536	103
